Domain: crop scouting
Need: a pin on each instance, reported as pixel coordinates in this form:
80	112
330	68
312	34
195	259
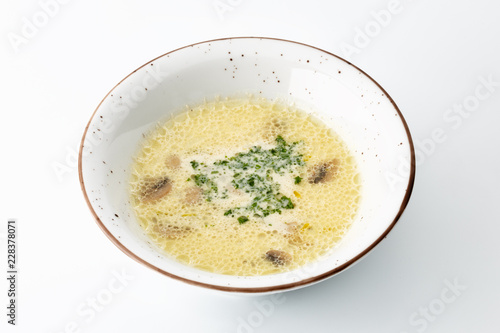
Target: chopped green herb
252	172
280	140
200	179
286	203
242	219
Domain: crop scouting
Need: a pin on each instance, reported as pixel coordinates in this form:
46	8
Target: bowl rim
275	288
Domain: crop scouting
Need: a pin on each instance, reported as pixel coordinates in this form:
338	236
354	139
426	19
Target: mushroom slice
170	231
173	162
154	189
278	257
193	195
293	234
291	227
324	172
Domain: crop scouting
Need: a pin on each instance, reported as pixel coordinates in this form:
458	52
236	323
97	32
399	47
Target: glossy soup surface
244	187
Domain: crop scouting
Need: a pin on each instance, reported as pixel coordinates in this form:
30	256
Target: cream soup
244	187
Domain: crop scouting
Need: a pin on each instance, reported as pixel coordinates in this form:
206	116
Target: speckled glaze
332	89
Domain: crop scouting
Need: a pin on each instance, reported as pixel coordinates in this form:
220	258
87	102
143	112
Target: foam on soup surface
244	187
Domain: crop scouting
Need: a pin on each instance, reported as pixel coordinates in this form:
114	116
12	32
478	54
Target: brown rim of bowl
256	289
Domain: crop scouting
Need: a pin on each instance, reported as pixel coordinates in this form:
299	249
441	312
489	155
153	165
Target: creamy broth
244	187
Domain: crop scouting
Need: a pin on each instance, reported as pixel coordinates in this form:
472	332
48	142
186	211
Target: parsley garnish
242	219
194	164
252	172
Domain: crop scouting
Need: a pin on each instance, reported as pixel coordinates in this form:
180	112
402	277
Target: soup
244	187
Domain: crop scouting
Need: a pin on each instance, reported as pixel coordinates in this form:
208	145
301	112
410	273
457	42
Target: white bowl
318	82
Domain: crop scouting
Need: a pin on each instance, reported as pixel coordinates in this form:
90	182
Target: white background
429	56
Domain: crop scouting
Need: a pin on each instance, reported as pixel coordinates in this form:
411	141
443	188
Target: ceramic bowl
316	81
